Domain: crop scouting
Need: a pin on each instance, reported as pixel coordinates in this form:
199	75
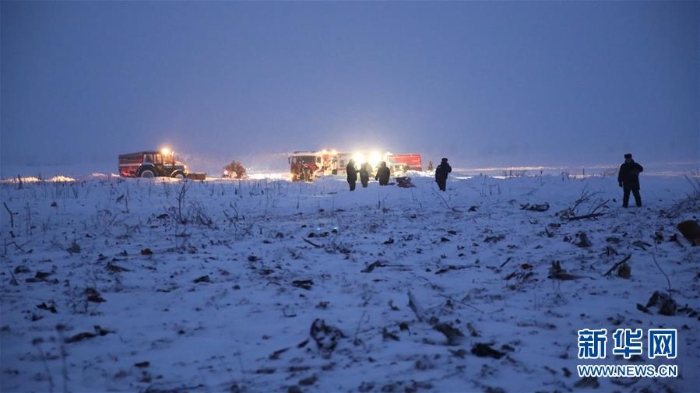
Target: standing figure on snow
365	170
383	174
441	174
628	177
352	174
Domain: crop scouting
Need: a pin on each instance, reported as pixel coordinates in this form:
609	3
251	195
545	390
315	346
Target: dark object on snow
202	279
305	284
93	295
624	271
618	264
146	251
583	240
587	382
325	336
484	350
628	178
665	303
372	266
453	335
542	207
44	306
387	335
85	335
556	272
691	231
441	173
404	182
383	174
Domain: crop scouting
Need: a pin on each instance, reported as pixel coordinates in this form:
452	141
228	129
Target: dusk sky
483	83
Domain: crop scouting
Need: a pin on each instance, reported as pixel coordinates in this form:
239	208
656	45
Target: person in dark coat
441	174
383	174
352	174
365	170
628	178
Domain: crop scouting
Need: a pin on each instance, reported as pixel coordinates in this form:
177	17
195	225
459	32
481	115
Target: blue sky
484	83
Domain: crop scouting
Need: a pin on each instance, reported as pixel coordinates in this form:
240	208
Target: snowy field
136	285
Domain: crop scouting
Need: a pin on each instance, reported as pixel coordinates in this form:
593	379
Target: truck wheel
178	175
148	173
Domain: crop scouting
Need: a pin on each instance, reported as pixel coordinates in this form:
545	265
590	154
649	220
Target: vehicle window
159	159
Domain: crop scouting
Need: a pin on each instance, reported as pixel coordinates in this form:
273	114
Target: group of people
383	174
628	177
365	171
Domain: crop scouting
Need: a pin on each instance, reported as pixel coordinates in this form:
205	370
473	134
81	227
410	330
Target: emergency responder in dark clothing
441	174
383	174
352	174
365	170
628	178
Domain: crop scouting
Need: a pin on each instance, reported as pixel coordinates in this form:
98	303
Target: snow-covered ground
139	285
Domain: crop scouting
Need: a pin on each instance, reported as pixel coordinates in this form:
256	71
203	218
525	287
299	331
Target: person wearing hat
628	178
441	174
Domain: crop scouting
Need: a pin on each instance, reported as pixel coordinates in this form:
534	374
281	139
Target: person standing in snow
365	170
628	178
441	173
352	174
383	174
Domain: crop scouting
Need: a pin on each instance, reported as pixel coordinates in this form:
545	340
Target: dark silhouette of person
383	174
365	170
441	173
352	174
628	178
430	166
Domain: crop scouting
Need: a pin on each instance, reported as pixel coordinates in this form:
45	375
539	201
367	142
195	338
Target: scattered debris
204	278
543	207
583	240
664	302
99	331
494	239
483	350
312	243
51	307
93	295
386	335
374	265
115	269
624	271
325	336
305	284
453	335
556	272
690	230
587	382
617	265
450	267
74	248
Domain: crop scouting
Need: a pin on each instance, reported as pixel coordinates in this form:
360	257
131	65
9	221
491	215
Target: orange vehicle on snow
308	165
152	163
